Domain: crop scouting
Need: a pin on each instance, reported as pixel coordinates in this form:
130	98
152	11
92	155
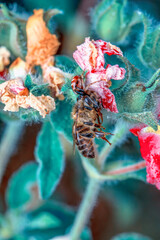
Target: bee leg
101	135
99	126
105	139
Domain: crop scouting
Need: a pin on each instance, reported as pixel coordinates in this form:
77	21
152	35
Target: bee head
77	84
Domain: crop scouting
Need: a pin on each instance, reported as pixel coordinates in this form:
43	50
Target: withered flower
55	77
41	44
14	95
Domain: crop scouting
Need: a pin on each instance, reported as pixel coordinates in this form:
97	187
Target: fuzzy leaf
44	220
149	50
61	118
39	90
130	236
49	14
18	191
144	117
49	155
35	89
63	217
111	21
29	83
12	32
65	63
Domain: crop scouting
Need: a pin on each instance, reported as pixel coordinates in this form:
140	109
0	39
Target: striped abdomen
84	140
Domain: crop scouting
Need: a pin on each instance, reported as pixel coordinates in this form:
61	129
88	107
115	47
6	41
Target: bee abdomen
86	147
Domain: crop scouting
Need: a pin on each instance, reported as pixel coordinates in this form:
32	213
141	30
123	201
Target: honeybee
87	118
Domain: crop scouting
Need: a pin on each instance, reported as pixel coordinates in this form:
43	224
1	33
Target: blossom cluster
90	57
41	48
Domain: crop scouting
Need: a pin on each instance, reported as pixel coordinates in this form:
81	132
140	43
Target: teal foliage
18	192
65	63
111	20
49	155
130	236
48	221
61	118
149	49
67	7
12	32
36	89
134	98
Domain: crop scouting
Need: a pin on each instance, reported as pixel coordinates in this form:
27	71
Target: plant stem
119	133
85	209
93	186
132	168
8	143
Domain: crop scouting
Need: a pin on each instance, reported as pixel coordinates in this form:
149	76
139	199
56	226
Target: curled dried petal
90	54
41	44
115	72
18	69
10	102
43	104
55	77
4	58
14	86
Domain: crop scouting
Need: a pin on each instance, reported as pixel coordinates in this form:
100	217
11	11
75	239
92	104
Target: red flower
90	57
150	151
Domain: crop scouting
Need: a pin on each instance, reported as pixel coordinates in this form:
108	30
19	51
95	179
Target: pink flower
90	57
150	151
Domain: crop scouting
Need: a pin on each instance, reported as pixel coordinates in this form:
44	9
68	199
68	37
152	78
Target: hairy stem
132	168
85	209
120	132
93	187
8	143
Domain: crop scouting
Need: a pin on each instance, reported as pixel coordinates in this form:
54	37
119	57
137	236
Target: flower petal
90	54
4	58
107	97
107	47
18	69
55	77
150	151
108	101
115	72
41	44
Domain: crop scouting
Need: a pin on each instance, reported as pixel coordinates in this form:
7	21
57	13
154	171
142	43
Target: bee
87	118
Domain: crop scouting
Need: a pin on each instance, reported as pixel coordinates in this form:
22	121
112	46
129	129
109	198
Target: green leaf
18	191
49	14
65	63
134	96
63	217
39	90
29	83
49	155
149	49
130	236
61	118
111	21
36	89
12	32
44	220
144	117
